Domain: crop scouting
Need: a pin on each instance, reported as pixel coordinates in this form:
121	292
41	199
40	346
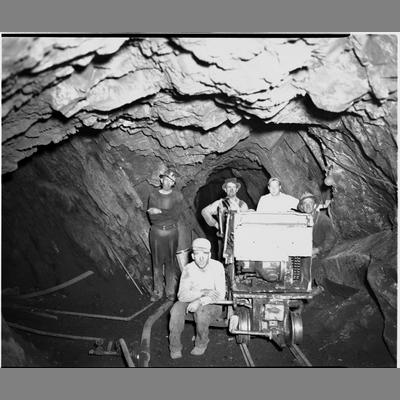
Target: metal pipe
55	288
223	302
42	314
239	332
126	353
60	335
144	355
31	310
79	314
282	296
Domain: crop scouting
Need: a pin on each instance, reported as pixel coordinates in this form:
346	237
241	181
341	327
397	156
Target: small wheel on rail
244	325
293	328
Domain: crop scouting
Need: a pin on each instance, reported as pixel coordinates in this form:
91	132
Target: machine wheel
244	325
293	328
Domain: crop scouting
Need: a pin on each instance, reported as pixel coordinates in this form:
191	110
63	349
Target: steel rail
299	355
246	355
126	353
294	349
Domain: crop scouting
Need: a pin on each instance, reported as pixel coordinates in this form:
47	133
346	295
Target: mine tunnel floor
117	296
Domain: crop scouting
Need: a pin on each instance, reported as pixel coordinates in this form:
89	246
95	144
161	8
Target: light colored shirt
235	204
276	204
194	279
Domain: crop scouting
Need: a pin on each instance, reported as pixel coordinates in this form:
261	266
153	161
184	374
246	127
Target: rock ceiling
163	89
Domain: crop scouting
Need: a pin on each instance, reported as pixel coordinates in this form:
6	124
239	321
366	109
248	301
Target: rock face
371	260
382	278
13	353
106	115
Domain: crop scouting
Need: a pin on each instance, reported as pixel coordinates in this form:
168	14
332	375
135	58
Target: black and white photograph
199	200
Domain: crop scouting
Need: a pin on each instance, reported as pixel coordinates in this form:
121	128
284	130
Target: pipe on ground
144	356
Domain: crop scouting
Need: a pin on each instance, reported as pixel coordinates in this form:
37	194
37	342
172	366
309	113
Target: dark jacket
324	236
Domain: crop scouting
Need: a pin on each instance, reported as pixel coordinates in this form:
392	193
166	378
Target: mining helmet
169	173
304	196
231	180
201	244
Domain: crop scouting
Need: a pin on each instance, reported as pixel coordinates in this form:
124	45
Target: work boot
176	354
198	351
155	296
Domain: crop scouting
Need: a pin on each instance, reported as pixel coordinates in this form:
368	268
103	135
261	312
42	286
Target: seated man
202	283
229	203
276	201
324	236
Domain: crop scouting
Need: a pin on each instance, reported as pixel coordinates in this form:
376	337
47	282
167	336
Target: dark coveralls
164	240
324	238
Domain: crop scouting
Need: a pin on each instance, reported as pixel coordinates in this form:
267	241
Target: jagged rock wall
13	355
370	262
185	98
125	108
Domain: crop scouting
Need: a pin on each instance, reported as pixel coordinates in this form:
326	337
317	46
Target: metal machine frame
268	264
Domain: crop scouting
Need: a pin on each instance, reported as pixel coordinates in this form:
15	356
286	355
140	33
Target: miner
276	201
164	207
324	237
220	208
202	283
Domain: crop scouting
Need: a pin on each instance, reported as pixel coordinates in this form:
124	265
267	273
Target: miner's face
167	183
308	205
201	258
274	188
231	189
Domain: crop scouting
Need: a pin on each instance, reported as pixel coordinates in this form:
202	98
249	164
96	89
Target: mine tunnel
88	125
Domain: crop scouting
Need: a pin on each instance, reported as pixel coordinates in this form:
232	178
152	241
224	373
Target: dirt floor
117	296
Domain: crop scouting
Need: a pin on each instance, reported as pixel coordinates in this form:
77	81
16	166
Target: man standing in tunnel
324	237
276	201
221	206
202	283
164	207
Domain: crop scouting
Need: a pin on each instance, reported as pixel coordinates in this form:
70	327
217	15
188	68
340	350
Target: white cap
201	244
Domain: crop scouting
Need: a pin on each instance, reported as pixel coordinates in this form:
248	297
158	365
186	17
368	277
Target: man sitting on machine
202	283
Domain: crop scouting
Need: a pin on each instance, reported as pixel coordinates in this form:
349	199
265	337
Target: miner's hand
315	251
193	306
212	294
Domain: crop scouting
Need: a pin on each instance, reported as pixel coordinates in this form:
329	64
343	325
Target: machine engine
268	260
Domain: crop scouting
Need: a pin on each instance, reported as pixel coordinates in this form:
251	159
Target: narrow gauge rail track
299	355
294	349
